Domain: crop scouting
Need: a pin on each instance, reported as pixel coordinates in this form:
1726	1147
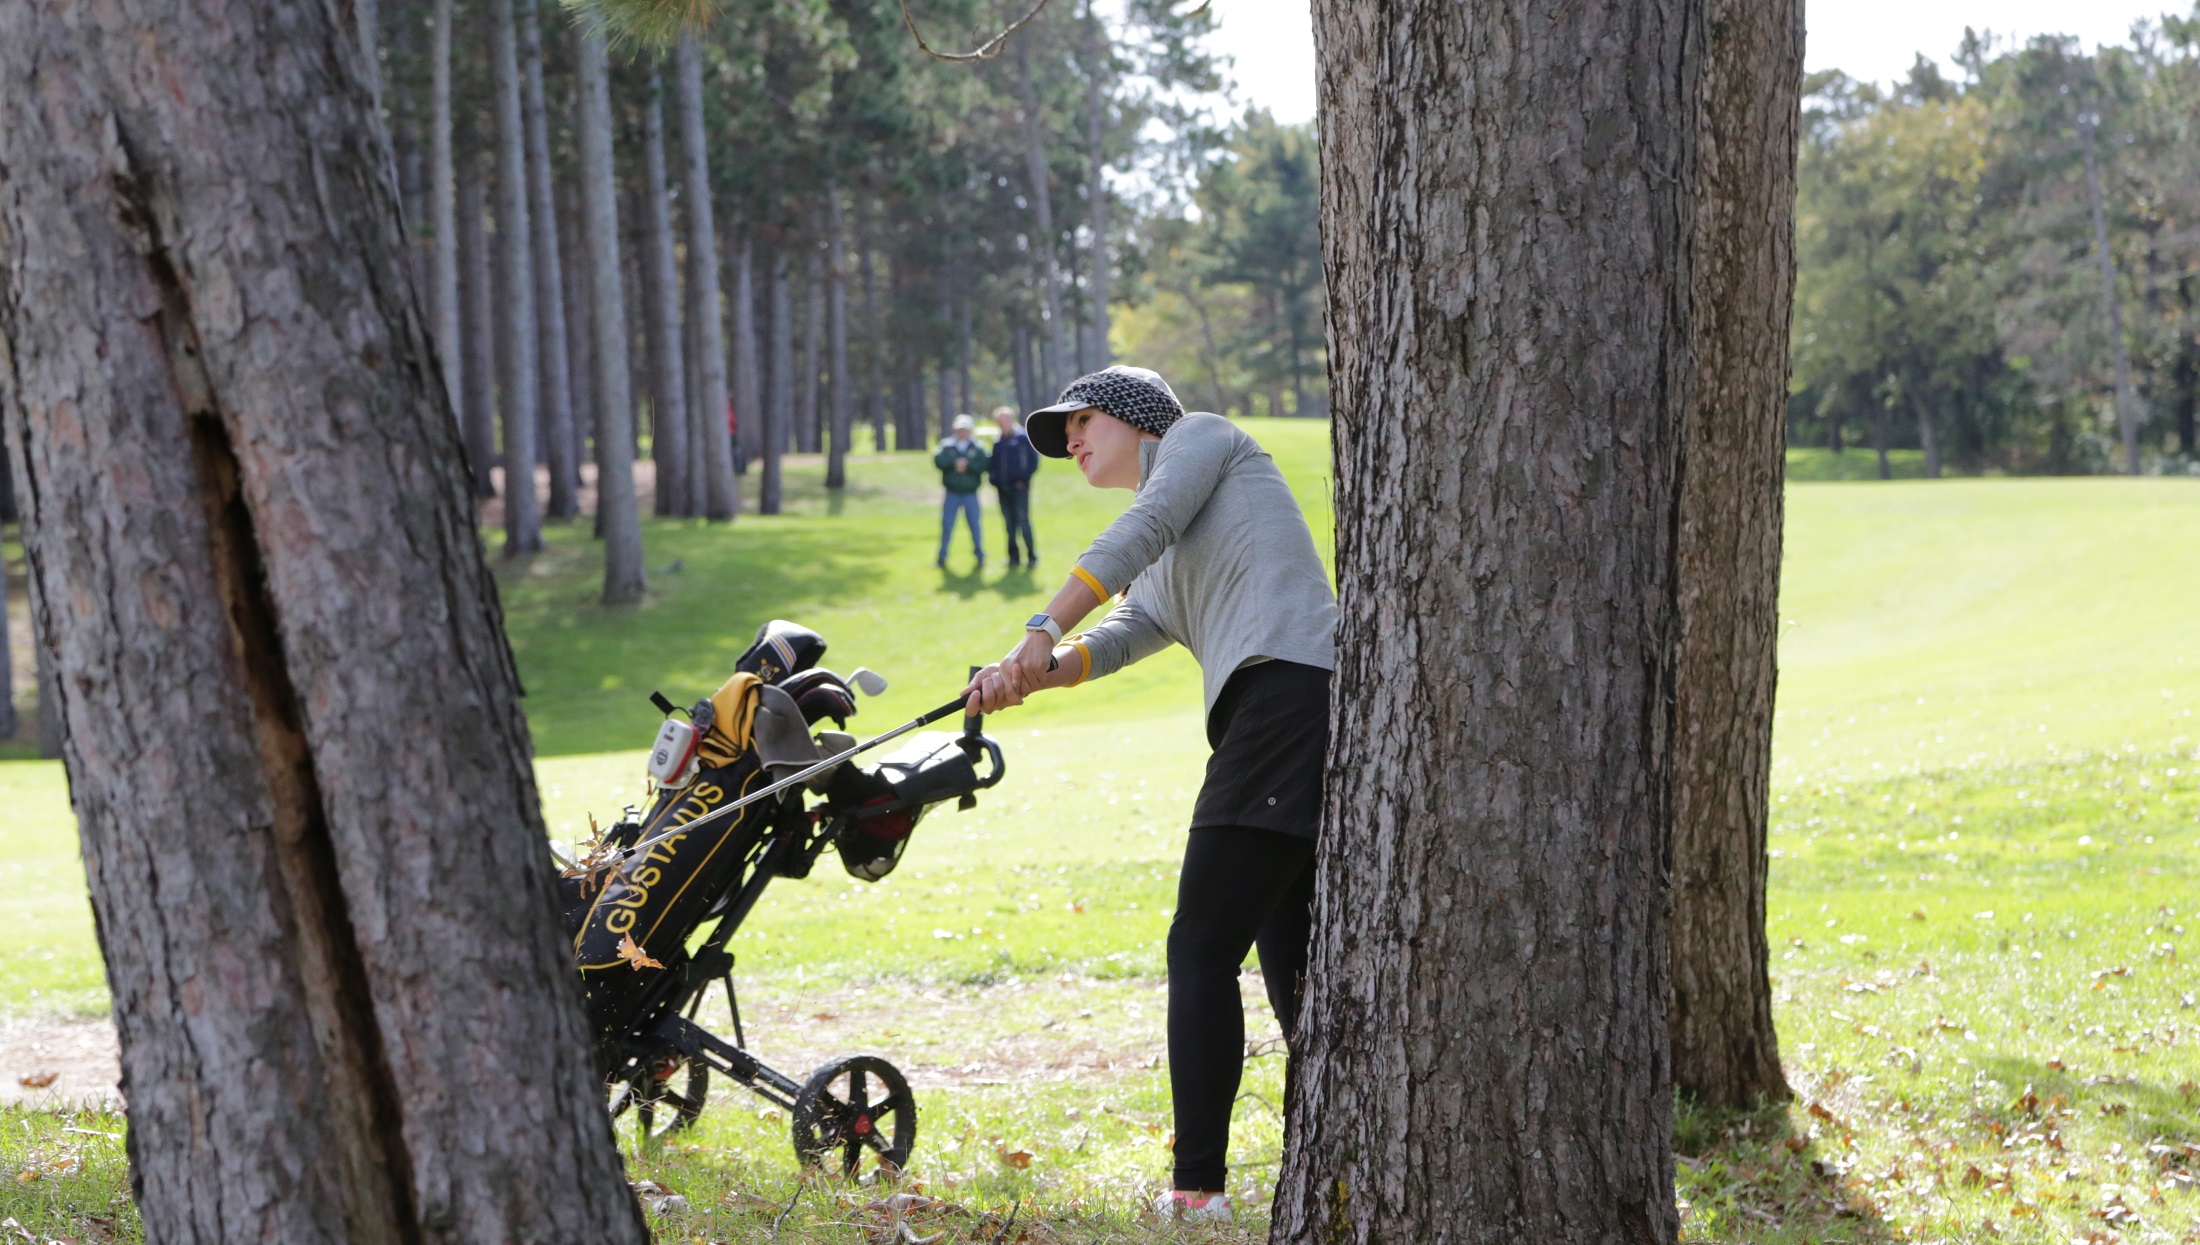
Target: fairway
1983	831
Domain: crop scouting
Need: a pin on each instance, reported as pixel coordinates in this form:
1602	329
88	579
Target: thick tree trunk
555	377
443	216
520	374
616	509
478	299
720	500
1098	353
668	419
367	19
836	286
779	408
1725	1053
1043	238
293	736
2127	415
579	332
747	399
810	364
1506	211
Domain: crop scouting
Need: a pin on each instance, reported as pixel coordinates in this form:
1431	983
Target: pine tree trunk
49	698
1725	1053
2127	418
1506	216
1926	439
836	285
367	20
1020	363
779	408
1043	238
617	512
714	454
520	374
1098	353
874	348
747	400
554	372
10	720
477	298
809	364
579	333
443	213
962	355
668	418
293	735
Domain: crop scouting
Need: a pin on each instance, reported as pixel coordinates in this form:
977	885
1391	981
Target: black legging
1241	887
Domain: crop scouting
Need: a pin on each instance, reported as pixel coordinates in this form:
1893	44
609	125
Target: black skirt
1270	733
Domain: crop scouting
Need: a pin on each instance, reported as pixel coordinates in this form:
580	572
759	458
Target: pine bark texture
555	384
1725	1053
1507	229
668	418
519	376
779	406
479	326
617	511
293	736
715	453
443	212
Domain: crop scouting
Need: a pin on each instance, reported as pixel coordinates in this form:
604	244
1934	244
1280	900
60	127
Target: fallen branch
983	52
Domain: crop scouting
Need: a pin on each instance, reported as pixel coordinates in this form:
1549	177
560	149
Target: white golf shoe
1194	1207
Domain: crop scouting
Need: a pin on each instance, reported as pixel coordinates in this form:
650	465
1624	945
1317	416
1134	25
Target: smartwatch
1046	623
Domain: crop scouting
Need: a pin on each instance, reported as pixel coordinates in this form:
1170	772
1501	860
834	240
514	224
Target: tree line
2001	267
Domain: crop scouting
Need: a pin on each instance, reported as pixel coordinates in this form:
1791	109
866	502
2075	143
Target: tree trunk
668	447
747	402
836	288
779	409
962	354
720	499
10	721
1043	239
367	19
2127	415
1098	353
579	333
443	214
1482	1051
49	698
555	378
480	330
1019	348
811	363
617	513
1879	440
691	352
521	372
946	386
1725	1053
1925	438
293	735
874	349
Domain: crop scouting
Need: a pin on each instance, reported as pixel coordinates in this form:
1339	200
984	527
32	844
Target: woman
1213	554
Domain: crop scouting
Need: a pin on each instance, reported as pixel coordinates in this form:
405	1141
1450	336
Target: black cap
1135	395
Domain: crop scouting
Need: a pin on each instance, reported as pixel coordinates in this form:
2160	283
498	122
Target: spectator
962	463
1014	463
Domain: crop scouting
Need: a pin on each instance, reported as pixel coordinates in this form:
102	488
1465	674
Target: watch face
1038	622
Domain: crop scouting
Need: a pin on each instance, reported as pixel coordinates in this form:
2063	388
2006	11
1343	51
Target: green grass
2033	1069
1811	465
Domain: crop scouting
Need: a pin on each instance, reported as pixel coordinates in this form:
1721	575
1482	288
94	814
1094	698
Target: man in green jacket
962	463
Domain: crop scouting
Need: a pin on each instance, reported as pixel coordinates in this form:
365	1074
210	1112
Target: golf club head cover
782	648
821	694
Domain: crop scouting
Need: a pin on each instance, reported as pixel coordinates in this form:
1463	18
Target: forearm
1070	606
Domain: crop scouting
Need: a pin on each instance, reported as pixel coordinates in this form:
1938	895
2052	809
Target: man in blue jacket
1014	463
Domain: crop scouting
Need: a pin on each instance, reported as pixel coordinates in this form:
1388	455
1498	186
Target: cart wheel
666	1097
854	1107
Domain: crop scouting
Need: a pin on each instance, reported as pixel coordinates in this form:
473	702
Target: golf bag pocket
639	922
890	798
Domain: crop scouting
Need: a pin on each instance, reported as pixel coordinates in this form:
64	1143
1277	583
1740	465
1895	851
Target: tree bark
668	447
579	333
443	213
1506	208
2127	417
555	378
1926	439
779	409
1098	352
836	287
1044	239
810	363
10	720
747	402
520	374
720	499
49	700
874	348
293	735
367	18
1725	1053
480	326
624	579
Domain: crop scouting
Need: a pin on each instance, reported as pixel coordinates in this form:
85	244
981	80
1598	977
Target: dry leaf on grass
38	1080
635	955
1018	1159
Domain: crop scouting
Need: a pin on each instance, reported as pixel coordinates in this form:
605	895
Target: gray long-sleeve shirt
1217	558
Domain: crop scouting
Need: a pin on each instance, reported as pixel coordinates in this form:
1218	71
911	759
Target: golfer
1213	554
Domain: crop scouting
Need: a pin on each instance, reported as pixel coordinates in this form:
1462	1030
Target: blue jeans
965	504
1016	516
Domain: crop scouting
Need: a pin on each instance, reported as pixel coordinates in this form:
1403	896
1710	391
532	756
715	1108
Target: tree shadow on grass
1749	1176
2163	1119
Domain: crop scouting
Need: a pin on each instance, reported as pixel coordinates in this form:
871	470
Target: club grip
949	709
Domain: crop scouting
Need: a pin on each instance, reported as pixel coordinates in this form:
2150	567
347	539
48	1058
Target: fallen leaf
635	955
38	1080
1018	1159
